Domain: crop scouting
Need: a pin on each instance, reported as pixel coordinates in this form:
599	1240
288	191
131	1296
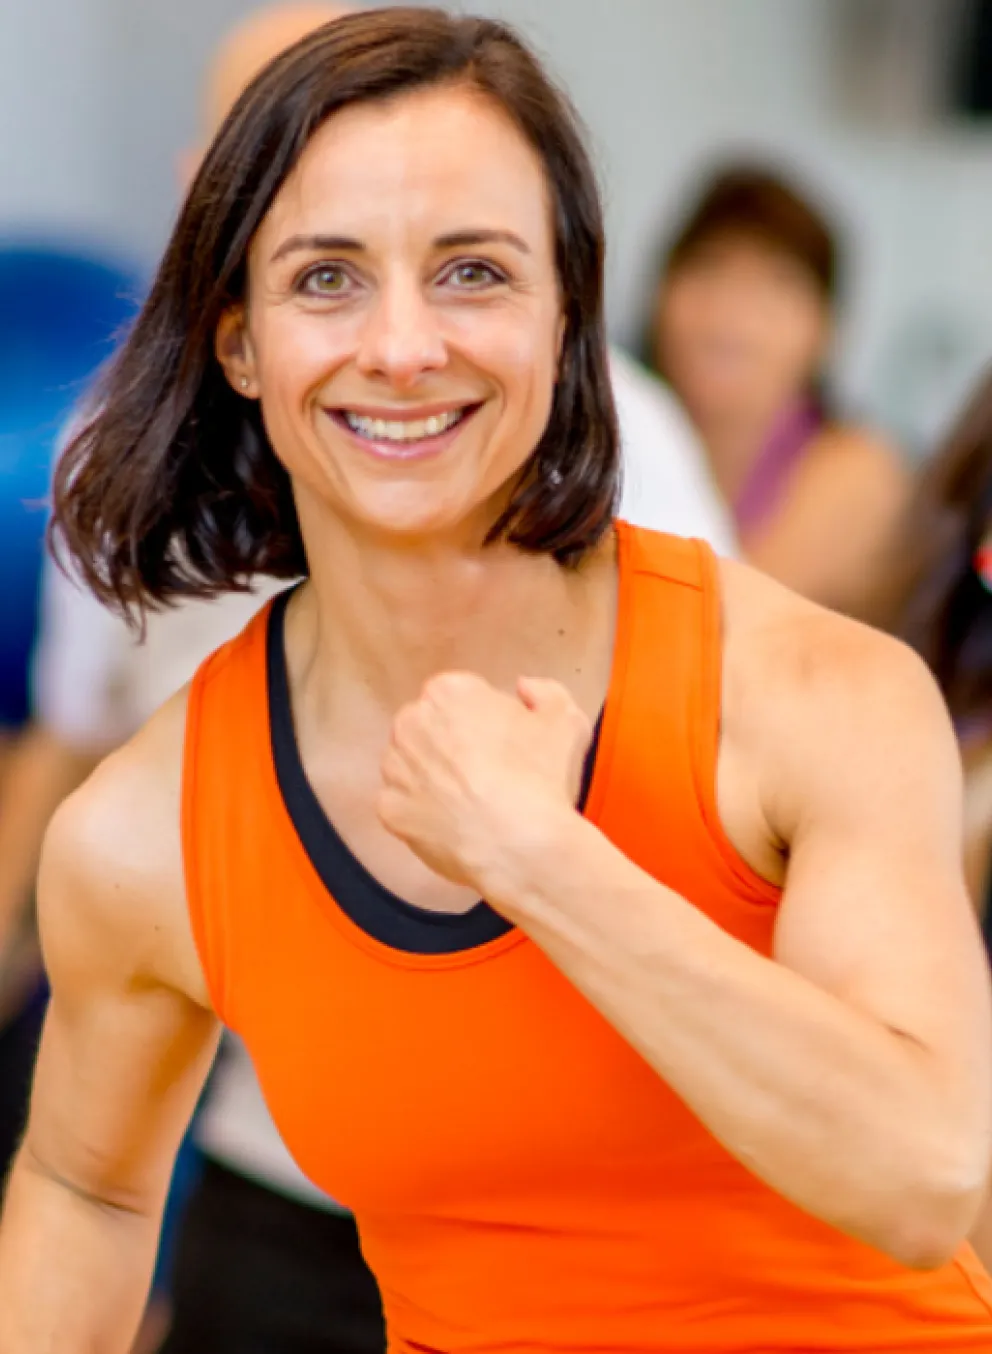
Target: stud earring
244	383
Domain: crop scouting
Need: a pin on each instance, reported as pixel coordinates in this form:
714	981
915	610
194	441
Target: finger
413	727
390	808
540	694
395	769
555	703
445	687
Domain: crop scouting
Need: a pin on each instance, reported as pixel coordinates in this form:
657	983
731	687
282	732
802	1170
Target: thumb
541	695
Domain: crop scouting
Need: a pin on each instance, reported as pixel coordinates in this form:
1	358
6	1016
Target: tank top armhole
208	945
705	722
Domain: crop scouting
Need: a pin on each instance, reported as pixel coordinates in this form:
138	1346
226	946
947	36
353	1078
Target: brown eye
326	280
473	276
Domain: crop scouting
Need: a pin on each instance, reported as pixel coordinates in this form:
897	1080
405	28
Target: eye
327	279
473	275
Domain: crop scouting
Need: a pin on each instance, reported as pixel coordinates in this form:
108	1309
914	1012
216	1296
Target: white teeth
395	430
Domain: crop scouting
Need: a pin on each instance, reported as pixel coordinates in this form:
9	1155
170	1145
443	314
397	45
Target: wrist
525	865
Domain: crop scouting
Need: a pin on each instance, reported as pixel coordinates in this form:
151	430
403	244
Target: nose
401	341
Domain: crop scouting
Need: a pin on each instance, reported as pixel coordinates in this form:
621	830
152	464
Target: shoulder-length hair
938	601
172	489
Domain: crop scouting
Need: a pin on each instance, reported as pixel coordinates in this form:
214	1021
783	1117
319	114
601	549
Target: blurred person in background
263	1259
741	327
939	598
62	304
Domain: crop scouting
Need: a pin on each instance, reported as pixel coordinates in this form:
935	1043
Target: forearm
835	1111
74	1273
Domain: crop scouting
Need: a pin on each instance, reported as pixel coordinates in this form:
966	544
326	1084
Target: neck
381	616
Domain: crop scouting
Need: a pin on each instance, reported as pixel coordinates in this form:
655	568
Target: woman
742	325
708	1069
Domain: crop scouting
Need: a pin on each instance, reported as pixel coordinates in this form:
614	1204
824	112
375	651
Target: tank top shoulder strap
225	793
657	793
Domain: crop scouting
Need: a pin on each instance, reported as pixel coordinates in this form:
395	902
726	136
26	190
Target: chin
421	523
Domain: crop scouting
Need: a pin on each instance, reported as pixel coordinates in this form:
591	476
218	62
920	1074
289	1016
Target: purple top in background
763	486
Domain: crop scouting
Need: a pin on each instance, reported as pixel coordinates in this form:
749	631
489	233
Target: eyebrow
459	239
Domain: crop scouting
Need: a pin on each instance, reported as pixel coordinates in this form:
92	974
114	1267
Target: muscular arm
126	1047
851	1071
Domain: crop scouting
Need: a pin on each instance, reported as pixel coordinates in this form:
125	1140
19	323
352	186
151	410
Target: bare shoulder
807	644
843	454
111	877
827	705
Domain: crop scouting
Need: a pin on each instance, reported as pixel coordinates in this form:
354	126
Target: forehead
745	245
430	161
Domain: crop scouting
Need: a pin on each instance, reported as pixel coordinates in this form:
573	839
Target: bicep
875	907
123	1055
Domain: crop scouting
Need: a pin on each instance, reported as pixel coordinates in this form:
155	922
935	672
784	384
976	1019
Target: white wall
98	96
55	141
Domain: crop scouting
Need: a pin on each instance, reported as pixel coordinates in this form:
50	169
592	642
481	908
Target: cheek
294	355
798	338
691	316
295	352
674	310
507	340
519	353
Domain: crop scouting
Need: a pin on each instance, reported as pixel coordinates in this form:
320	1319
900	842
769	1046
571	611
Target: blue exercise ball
61	313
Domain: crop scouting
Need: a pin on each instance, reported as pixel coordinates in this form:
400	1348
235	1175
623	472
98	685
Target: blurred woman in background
742	324
941	602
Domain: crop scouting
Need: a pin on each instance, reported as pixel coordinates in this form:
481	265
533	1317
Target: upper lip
406	413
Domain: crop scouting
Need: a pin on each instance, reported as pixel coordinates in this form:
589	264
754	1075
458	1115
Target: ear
235	352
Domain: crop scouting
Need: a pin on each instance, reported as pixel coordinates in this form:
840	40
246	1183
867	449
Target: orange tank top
523	1182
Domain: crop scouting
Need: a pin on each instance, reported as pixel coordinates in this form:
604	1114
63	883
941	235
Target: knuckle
447	682
406	719
390	766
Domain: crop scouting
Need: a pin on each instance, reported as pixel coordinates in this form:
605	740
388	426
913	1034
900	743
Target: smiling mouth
402	432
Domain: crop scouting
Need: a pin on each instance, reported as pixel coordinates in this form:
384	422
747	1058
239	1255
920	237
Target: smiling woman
708	1069
256	227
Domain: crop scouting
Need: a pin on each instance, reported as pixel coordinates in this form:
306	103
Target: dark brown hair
936	599
755	202
171	488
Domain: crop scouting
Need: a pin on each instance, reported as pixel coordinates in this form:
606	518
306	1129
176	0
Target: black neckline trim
375	909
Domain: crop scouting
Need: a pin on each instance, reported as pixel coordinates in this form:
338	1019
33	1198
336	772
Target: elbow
928	1225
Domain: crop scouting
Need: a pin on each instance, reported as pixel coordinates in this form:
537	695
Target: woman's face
742	328
404	320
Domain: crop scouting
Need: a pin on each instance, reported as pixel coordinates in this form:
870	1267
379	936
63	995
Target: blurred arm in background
78	717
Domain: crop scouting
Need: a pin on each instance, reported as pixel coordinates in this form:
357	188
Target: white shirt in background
667	484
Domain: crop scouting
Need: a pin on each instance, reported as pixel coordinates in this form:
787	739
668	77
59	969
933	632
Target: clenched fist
473	775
